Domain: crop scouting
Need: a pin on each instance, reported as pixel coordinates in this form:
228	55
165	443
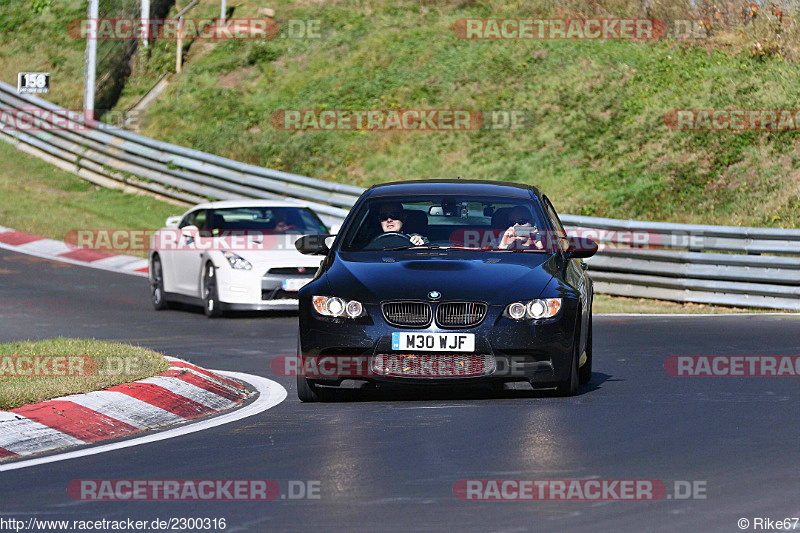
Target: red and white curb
26	243
182	393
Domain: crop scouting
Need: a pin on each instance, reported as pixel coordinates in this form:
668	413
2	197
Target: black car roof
443	186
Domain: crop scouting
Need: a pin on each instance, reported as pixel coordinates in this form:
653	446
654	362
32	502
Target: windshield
268	220
448	222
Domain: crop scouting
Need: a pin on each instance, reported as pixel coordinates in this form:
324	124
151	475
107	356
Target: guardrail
726	265
117	158
751	267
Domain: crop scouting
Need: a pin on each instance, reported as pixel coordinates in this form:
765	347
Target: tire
569	387
210	294
308	392
157	295
585	372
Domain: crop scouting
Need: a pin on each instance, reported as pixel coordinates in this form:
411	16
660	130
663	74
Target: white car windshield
268	220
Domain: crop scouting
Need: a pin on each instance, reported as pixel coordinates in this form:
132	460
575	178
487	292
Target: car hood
496	278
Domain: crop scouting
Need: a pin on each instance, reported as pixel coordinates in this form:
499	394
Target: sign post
90	61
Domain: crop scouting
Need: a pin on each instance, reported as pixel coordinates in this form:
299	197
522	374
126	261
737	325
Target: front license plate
438	342
294	284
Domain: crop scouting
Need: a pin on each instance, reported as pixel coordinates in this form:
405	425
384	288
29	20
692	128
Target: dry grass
107	364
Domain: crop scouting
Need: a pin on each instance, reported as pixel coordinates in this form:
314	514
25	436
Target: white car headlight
337	307
237	262
536	309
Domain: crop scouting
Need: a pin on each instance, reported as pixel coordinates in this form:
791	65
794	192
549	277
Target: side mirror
172	222
312	244
580	248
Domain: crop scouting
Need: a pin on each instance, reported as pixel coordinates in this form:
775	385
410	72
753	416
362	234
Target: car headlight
237	262
337	307
536	309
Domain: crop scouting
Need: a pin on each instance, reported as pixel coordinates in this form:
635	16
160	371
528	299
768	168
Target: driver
280	223
521	232
392	217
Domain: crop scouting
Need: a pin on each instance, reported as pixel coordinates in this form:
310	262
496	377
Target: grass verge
42	199
595	139
604	303
103	365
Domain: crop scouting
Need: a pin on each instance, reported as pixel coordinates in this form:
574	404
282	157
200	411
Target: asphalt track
389	463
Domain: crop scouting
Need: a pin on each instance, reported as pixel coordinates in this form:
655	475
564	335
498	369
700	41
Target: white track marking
124	408
45	246
193	392
70	261
121	262
229	388
24	436
270	395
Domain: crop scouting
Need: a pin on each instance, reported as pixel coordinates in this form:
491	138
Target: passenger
521	233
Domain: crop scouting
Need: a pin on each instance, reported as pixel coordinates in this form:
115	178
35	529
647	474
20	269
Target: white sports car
233	255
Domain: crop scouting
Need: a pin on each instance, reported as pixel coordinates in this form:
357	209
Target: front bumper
538	352
256	289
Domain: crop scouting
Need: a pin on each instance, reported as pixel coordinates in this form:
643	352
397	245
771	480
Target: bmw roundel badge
434	295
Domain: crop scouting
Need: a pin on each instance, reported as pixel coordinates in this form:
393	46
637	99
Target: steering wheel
390	239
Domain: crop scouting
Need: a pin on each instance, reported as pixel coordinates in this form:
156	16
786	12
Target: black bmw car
446	283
